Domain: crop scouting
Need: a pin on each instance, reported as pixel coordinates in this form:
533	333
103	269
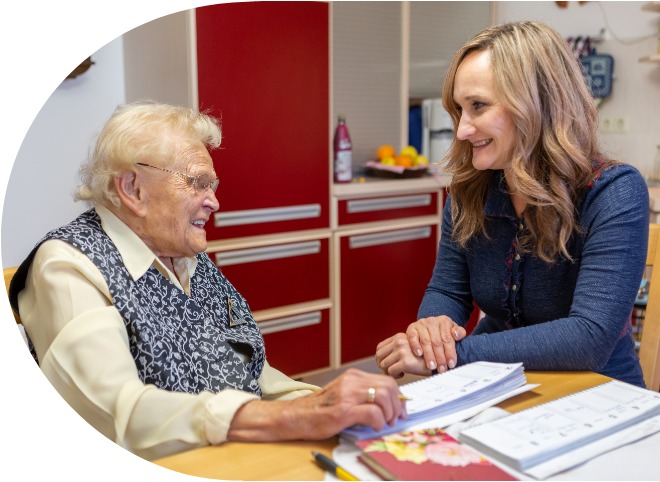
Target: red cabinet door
263	70
383	278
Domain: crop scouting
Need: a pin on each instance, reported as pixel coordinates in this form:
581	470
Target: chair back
9	274
649	349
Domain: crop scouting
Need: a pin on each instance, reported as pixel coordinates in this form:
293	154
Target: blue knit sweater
565	316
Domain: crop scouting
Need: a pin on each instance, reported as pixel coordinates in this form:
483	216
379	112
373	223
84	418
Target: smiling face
173	222
484	122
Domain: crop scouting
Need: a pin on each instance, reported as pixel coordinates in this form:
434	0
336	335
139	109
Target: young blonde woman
543	232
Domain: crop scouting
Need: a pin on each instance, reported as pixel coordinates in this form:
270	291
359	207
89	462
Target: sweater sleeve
448	292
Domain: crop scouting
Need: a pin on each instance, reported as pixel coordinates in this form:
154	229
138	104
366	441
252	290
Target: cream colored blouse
83	349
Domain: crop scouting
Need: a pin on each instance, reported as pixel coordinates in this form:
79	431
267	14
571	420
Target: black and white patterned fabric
179	343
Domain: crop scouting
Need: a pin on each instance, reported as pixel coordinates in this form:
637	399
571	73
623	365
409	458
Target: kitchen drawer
386	208
278	274
299	343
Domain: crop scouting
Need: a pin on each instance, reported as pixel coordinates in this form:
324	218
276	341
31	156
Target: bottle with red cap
343	152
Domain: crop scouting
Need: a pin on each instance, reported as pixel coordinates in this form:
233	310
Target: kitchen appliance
437	130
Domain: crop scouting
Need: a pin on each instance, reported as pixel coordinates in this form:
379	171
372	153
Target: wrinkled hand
345	401
428	344
322	414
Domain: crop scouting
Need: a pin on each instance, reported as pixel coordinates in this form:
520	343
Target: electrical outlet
621	124
614	124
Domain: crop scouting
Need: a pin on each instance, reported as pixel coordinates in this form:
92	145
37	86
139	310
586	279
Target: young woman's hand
428	344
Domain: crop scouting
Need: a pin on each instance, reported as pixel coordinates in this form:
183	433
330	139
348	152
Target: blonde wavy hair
140	132
541	84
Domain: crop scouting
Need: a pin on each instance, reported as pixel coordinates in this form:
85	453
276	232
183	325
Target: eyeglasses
199	183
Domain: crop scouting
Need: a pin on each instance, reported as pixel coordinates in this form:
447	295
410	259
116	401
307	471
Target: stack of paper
455	390
529	438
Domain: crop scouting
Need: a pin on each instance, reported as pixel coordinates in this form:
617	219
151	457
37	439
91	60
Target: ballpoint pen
331	466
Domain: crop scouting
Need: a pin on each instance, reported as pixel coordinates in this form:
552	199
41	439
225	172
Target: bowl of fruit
407	164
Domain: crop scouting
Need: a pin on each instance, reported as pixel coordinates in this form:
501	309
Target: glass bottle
343	152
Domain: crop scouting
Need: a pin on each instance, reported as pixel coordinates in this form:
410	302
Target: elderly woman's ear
131	192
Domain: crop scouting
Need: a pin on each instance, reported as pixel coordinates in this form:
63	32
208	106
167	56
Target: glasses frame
193	181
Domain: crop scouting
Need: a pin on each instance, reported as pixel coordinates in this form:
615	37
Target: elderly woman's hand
428	344
343	402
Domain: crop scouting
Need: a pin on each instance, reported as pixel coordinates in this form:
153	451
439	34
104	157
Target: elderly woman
137	328
545	233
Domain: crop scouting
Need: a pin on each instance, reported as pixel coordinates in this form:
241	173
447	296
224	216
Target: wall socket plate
614	124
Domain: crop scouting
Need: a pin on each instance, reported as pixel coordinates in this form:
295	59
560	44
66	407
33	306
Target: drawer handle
252	255
290	322
266	215
385	203
376	239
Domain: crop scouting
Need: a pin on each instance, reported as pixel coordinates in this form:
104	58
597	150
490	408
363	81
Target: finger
384	349
412	334
403	360
394	406
459	332
386	399
431	340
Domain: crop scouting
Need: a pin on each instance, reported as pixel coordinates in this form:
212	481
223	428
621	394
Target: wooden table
293	460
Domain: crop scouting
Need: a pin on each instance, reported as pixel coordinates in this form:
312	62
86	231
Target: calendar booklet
553	430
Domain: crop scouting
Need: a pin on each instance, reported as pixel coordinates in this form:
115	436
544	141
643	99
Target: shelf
651	7
651	58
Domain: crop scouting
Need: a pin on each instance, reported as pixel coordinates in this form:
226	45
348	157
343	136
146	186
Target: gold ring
371	395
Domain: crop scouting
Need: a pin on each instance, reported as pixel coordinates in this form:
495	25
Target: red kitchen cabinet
383	278
263	69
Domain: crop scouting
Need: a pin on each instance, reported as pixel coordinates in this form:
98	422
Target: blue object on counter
415	127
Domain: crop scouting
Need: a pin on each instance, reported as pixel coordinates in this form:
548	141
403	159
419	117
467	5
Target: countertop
375	186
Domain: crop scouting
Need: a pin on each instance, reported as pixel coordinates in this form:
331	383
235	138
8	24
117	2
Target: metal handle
386	203
290	322
251	255
266	215
365	240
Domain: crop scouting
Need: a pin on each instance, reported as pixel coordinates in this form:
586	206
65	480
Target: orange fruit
385	151
404	160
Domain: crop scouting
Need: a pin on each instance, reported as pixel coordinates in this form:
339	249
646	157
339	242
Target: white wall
636	86
39	194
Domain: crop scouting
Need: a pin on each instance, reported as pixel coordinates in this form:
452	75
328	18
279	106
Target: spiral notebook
536	435
463	387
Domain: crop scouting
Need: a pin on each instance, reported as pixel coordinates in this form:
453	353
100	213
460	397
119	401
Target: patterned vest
179	343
